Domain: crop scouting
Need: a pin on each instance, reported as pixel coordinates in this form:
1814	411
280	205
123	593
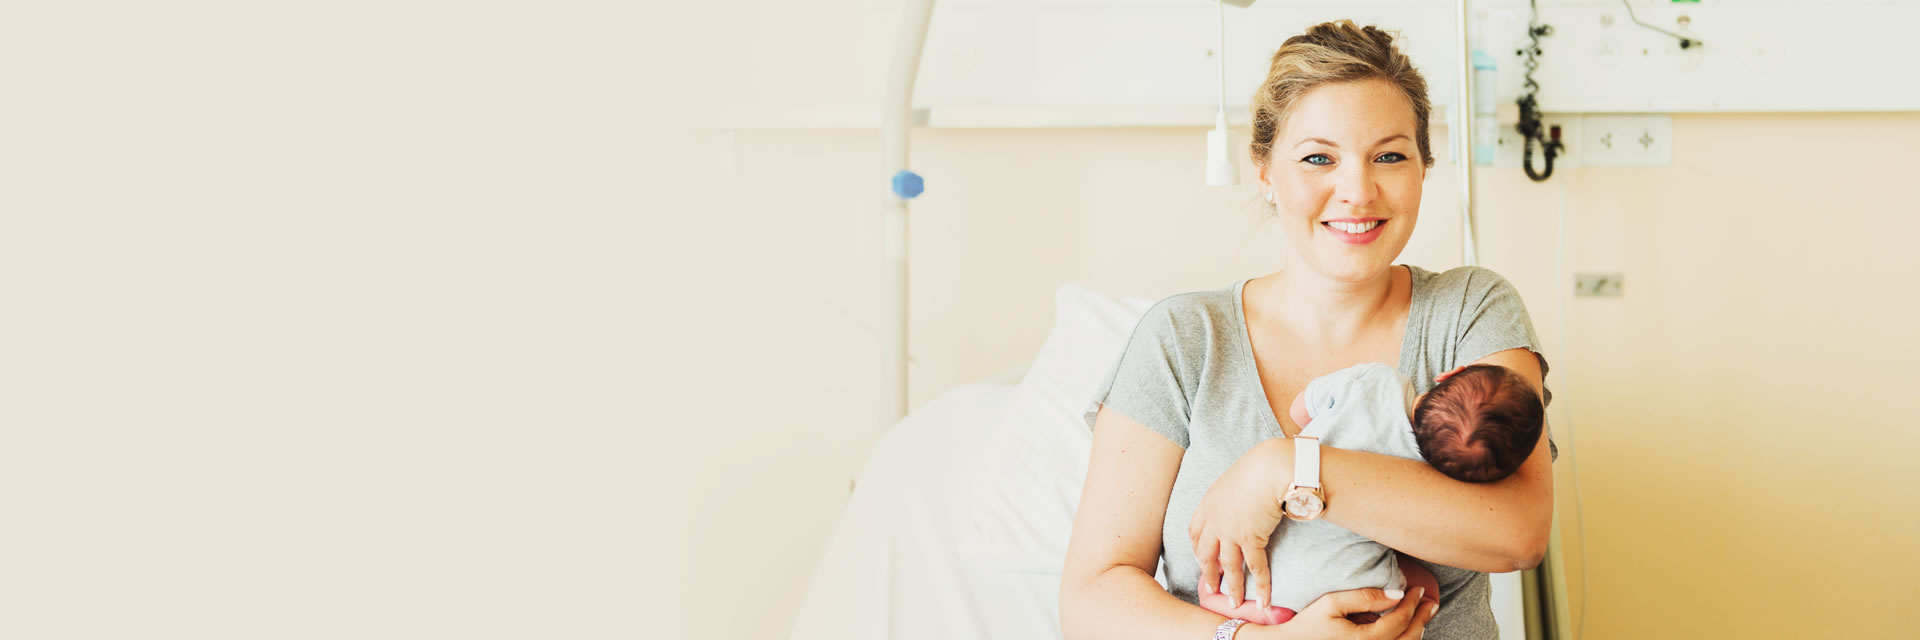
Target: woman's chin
1352	269
1347	263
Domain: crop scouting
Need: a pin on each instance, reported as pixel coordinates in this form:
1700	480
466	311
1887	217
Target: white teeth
1355	227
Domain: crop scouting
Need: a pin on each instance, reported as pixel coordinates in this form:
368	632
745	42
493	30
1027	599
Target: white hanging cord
1222	170
1222	6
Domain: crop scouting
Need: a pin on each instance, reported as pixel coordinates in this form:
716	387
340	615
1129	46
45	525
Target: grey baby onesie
1360	408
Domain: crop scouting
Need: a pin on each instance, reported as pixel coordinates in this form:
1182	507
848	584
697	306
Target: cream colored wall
1761	339
1746	393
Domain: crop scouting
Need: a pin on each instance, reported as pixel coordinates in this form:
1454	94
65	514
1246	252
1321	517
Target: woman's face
1345	175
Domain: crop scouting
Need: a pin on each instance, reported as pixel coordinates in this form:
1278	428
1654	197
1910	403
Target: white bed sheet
939	541
900	564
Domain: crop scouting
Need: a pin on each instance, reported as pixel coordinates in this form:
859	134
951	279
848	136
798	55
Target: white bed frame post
896	121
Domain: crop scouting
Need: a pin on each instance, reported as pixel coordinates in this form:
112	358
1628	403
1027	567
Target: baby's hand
1248	610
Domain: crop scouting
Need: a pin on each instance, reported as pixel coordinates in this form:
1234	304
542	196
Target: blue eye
1310	160
1391	157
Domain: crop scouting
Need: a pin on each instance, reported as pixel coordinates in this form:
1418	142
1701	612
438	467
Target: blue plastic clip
908	184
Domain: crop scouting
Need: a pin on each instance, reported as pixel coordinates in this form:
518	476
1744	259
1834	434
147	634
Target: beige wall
1735	417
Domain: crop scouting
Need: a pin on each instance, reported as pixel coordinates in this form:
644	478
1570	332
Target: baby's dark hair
1478	425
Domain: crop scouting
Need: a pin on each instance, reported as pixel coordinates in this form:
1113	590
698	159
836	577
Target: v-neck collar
1252	367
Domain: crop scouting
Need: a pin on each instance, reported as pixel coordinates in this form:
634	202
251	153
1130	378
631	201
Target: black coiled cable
1530	126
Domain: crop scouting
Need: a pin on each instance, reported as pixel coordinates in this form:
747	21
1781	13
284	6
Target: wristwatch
1304	500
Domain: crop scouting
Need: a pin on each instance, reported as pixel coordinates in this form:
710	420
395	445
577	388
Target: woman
1192	446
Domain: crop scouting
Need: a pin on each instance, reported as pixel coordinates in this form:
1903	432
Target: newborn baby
1477	425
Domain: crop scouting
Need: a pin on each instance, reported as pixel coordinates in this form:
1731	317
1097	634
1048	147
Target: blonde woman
1193	448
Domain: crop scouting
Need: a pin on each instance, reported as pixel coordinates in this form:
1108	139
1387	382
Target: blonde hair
1332	52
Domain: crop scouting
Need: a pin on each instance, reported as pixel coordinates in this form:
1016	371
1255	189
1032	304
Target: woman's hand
1327	618
1236	517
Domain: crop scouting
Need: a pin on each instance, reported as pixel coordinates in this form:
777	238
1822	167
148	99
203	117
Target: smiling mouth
1353	228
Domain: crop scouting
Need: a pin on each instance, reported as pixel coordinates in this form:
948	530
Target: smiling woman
1193	447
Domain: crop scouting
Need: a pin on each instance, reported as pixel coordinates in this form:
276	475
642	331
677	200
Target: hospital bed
959	520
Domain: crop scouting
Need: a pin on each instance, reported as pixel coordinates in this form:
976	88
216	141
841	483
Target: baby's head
1479	424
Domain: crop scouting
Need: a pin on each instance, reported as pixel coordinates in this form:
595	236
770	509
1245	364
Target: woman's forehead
1361	112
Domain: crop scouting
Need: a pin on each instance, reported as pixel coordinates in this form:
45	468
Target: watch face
1304	504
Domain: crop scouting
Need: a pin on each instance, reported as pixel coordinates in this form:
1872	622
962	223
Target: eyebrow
1331	144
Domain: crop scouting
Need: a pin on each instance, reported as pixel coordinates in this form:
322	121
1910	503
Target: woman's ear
1443	377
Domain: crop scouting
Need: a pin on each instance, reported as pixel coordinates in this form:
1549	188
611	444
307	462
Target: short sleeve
1147	383
1494	319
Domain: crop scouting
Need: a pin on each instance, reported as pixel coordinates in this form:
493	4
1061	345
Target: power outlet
1511	144
1607	285
1627	141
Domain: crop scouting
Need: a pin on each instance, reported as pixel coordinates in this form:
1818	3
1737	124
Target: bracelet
1226	629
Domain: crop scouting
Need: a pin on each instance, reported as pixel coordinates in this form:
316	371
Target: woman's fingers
1233	580
1207	551
1260	587
1396	623
1340	603
1423	615
1332	611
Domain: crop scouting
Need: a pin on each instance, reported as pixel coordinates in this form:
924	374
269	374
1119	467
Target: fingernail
1206	588
1420	592
1433	610
1396	594
1263	602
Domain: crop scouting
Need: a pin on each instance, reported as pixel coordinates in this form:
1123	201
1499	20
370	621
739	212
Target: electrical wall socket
1509	152
1626	140
1598	284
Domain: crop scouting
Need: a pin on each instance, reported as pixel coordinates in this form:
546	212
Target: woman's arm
1408	505
1107	588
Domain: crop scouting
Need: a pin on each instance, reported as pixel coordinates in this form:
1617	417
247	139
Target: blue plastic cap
1481	60
908	184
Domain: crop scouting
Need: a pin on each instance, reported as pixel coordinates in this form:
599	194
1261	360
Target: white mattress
900	565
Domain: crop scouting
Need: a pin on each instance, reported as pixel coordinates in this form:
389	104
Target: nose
1354	186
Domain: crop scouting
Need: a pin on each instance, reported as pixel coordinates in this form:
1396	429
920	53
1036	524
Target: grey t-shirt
1188	373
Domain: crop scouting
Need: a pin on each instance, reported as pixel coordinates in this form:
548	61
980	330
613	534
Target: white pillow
1089	331
1035	459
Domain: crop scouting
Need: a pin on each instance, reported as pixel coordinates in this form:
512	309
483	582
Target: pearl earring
1269	196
